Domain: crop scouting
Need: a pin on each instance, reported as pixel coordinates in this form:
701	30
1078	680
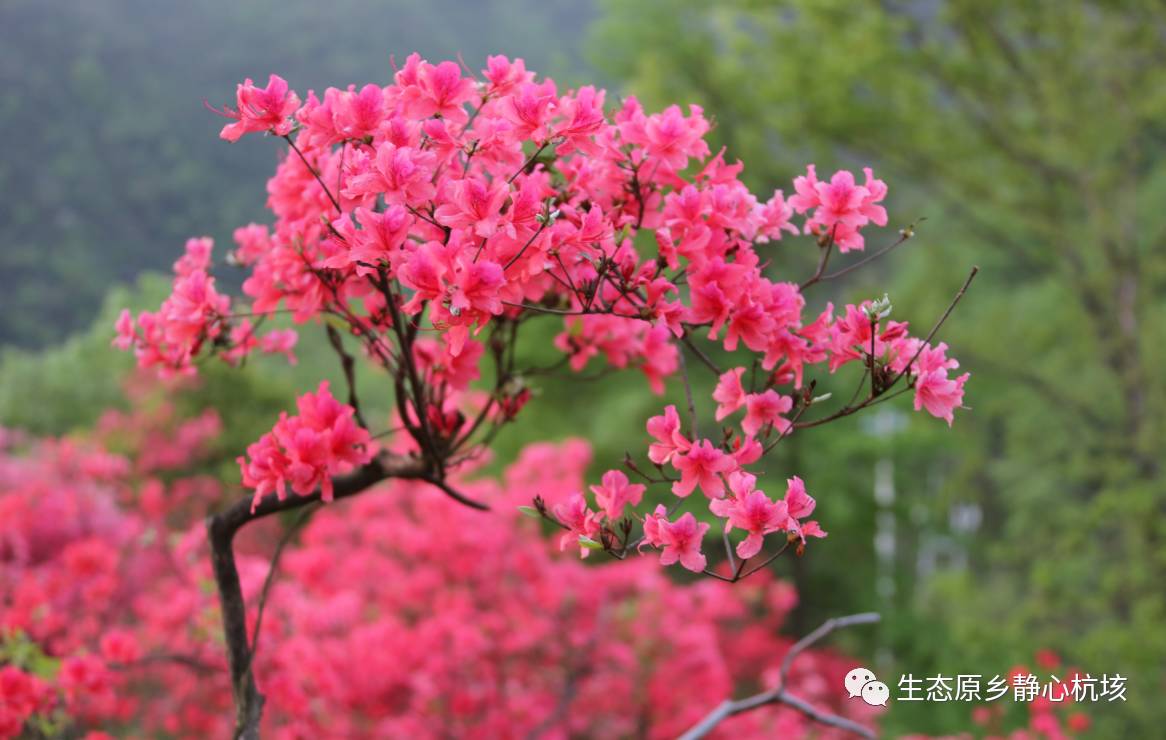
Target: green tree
1031	135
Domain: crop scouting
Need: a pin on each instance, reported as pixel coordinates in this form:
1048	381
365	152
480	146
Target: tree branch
348	364
221	530
779	695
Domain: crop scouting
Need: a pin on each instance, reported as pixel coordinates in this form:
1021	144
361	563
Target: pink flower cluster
194	315
97	592
21	696
305	451
435	216
840	207
426	631
504	192
719	475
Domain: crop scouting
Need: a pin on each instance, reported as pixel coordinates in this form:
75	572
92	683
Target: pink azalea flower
582	117
359	114
261	109
702	465
669	441
652	522
754	512
615	492
504	75
434	90
729	393
763	409
746	451
674	138
579	520
799	505
529	110
475	204
401	174
775	215
841	206
681	541
307	450
939	394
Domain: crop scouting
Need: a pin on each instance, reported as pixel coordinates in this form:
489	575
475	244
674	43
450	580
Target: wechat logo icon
861	682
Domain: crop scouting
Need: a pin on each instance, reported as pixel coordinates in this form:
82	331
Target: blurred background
1029	135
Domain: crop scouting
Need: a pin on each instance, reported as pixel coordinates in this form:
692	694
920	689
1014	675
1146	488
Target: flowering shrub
381	625
103	601
434	218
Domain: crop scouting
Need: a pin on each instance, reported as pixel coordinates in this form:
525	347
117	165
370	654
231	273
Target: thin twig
931	334
272	570
904	235
529	161
348	364
315	174
764	563
688	394
827	248
700	353
530	241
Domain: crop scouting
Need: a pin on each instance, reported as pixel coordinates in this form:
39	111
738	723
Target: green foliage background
1030	135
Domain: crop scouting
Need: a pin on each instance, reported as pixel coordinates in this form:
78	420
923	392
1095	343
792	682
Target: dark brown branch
688	395
348	364
315	174
221	530
827	248
779	695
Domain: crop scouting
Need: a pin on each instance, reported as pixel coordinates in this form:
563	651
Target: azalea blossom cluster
194	315
102	601
426	631
428	222
451	205
307	450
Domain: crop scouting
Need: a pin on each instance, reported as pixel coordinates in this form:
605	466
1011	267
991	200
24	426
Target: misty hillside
111	159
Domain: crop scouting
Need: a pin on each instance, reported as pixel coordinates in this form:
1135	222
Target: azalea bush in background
382	624
425	224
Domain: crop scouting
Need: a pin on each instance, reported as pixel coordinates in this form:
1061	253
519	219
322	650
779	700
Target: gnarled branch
221	530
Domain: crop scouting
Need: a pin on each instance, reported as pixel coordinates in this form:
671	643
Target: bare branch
780	696
348	364
315	174
827	248
688	394
931	334
904	235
